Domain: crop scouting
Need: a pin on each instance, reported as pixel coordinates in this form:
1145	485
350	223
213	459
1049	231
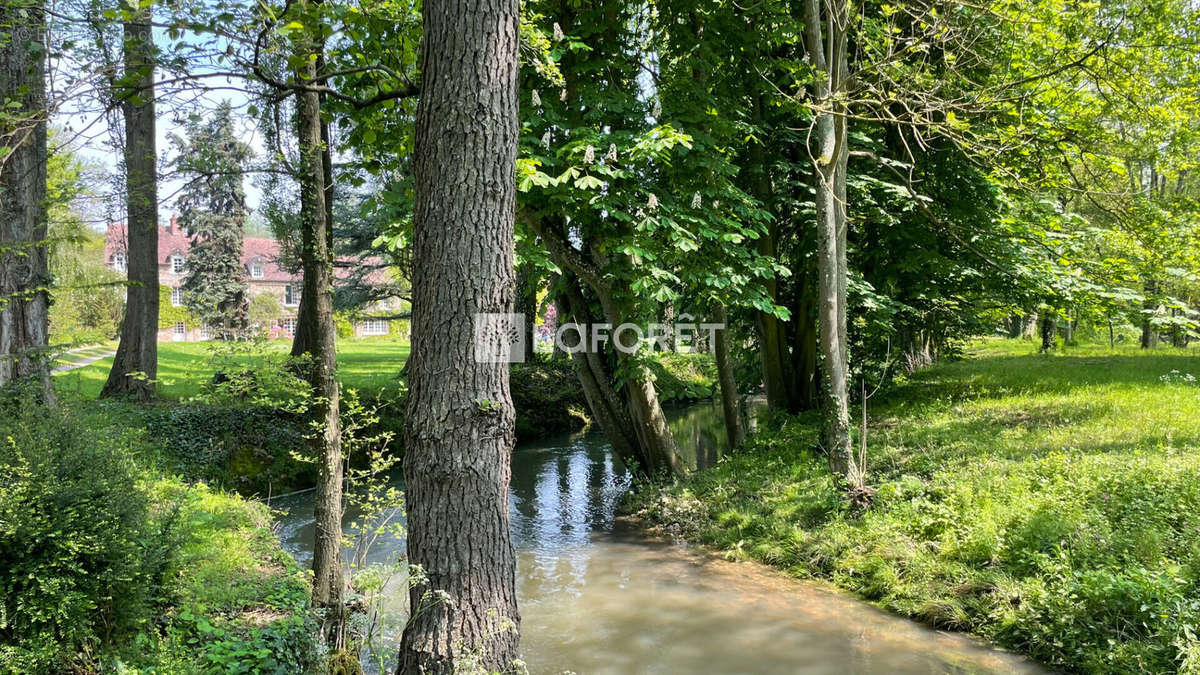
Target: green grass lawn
184	367
1049	503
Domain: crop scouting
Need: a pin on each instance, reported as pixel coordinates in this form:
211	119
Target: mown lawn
184	367
1049	503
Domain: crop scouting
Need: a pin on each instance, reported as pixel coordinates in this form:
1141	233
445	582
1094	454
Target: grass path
1048	503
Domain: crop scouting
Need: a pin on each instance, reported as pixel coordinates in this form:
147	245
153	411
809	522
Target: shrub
78	559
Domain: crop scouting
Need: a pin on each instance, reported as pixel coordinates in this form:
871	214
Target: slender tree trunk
830	134
459	429
1149	309
24	275
772	344
729	395
527	289
325	442
135	366
1048	327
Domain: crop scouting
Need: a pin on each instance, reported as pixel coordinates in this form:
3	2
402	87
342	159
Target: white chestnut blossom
535	98
558	33
611	156
656	110
696	201
589	154
652	202
546	140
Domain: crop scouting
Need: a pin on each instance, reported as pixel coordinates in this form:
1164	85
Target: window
180	331
118	261
206	332
289	326
177	264
291	296
177	297
374	327
256	270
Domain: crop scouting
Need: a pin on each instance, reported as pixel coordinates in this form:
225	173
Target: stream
598	596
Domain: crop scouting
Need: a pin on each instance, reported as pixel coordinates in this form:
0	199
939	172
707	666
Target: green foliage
80	559
547	398
106	566
1046	503
213	212
88	295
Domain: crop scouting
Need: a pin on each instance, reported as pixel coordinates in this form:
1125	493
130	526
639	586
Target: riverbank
111	563
251	449
1046	503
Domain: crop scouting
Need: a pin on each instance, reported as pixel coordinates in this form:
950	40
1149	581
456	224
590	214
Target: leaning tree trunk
459	431
729	395
135	366
316	258
24	275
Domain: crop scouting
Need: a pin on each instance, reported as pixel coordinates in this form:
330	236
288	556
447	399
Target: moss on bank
1046	503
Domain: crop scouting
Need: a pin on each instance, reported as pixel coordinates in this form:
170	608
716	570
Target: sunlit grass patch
1050	503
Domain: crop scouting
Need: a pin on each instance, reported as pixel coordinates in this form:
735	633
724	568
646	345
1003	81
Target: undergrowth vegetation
1049	503
108	564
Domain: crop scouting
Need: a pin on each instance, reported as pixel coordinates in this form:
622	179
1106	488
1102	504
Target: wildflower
589	154
443	597
558	33
535	98
652	202
611	156
696	201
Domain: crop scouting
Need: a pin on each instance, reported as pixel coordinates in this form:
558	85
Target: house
263	270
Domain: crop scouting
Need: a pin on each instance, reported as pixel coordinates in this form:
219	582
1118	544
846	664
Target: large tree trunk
729	395
24	276
316	259
135	366
459	431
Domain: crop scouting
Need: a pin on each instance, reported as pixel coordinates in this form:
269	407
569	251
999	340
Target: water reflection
598	598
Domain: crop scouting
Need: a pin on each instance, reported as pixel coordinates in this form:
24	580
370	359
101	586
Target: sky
83	128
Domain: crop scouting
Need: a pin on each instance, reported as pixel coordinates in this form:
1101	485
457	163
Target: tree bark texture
729	395
827	54
135	366
24	275
316	259
459	431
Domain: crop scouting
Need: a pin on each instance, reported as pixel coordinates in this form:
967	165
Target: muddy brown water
599	596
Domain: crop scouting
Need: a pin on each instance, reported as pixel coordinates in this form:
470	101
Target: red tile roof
172	240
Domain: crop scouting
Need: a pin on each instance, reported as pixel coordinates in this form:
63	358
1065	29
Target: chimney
174	222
